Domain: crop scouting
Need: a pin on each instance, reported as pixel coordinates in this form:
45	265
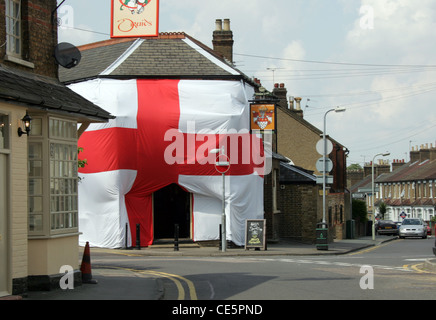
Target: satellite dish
67	55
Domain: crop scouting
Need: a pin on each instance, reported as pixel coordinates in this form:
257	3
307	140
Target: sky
376	58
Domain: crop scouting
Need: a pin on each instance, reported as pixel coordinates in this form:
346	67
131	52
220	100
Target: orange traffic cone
85	268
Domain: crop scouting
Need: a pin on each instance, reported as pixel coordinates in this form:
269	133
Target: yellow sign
135	18
263	117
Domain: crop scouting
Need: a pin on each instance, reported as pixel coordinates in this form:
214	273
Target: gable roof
292	174
416	171
171	55
307	124
46	93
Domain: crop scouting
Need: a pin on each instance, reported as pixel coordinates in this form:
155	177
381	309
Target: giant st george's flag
163	133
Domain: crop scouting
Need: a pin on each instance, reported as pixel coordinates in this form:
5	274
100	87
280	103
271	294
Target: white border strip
210	57
122	58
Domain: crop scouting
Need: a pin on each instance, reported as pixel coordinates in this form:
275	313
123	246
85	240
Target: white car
413	227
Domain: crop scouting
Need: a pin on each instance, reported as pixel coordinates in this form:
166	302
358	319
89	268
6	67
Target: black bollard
127	230
138	237
176	237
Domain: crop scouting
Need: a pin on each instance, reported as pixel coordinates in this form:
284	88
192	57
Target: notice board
134	18
255	234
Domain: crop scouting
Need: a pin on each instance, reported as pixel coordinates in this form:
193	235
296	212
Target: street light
324	137
222	166
372	191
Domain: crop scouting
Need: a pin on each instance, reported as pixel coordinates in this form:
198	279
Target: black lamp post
26	120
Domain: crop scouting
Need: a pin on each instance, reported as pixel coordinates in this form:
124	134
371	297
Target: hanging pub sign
263	117
255	234
134	18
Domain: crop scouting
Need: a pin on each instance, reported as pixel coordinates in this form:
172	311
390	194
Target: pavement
127	284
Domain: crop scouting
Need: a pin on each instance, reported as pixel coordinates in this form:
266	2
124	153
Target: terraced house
410	190
38	151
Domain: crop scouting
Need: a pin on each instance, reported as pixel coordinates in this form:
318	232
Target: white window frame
14	41
57	178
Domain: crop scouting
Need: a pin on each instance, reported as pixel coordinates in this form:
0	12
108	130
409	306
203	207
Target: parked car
428	230
413	227
386	227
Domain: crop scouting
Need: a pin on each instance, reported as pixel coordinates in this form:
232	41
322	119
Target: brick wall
272	216
296	141
300	211
39	37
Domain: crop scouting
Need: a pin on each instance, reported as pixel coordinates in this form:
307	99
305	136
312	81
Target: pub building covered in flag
177	103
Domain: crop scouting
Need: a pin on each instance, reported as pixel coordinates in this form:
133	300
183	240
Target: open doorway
172	205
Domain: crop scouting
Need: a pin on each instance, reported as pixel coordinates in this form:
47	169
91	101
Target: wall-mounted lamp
26	121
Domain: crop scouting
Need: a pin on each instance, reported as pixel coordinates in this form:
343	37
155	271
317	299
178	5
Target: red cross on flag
163	134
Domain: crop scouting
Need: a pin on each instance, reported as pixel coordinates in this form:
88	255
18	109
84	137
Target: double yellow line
372	248
173	277
176	279
416	267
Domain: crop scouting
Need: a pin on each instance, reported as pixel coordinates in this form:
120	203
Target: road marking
418	268
421	259
333	263
173	277
192	291
369	249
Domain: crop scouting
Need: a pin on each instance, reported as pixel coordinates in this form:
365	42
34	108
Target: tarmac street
130	282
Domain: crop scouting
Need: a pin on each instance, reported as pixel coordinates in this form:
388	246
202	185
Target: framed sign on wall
134	18
263	117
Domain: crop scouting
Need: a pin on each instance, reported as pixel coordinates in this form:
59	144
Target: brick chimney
432	152
397	164
381	167
298	109
414	155
223	39
281	93
423	153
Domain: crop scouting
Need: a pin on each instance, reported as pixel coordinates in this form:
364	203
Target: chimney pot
298	101
282	85
218	25
226	24
291	103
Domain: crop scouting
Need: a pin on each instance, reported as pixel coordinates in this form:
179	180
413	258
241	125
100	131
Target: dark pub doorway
172	205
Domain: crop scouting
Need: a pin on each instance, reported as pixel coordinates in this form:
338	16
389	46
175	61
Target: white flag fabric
164	133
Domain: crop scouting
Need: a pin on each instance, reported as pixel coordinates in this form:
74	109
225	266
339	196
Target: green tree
354	167
382	209
360	212
81	163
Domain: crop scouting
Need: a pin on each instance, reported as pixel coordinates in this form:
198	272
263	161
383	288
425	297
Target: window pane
35	204
36	127
35	168
13	27
35	222
4	131
35	151
35	186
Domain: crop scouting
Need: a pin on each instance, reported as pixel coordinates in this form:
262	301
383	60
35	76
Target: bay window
53	208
